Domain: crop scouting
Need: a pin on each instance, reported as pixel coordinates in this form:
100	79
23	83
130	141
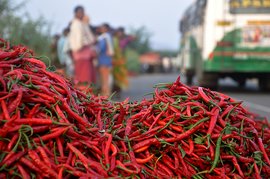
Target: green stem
166	125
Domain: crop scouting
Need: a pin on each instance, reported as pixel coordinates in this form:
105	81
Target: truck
226	38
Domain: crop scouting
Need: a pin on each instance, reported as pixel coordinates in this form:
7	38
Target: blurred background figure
63	49
120	72
166	64
54	51
81	40
106	52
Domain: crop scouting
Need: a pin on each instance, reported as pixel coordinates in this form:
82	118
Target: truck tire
241	82
264	84
189	76
189	79
209	80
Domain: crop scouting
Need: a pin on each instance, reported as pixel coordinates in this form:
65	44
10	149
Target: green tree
167	53
24	30
140	45
142	42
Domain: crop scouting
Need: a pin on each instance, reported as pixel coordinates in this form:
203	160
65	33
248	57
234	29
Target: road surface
254	100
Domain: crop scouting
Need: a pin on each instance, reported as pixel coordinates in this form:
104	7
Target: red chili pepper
257	172
8	95
191	146
135	134
70	155
60	80
241	117
60	147
23	172
73	160
5	110
61	91
107	148
266	170
188	111
16	102
12	141
213	120
212	152
17	73
11	61
34	121
121	115
203	95
3	66
53	135
61	114
165	168
177	128
146	123
10	159
72	114
124	168
29	164
165	100
45	97
44	156
221	122
238	168
141	149
40	129
33	111
36	62
156	119
185	134
147	134
10	54
42	166
128	127
123	145
71	133
174	109
60	173
227	110
167	131
113	158
176	160
145	143
8	126
169	162
86	162
245	159
262	148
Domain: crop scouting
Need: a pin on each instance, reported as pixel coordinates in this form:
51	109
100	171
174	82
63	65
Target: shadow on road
245	90
229	86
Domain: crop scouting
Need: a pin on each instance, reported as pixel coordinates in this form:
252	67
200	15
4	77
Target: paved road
255	100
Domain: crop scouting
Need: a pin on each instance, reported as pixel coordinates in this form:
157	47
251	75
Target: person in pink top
81	41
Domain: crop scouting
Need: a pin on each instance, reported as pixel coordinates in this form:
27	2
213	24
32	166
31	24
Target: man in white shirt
63	52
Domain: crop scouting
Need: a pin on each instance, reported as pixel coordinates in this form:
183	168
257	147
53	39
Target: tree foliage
167	53
21	29
142	42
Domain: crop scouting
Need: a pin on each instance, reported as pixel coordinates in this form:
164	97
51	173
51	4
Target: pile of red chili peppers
49	129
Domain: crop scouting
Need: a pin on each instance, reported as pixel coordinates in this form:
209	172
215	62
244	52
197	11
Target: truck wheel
189	76
209	80
264	84
189	79
241	82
